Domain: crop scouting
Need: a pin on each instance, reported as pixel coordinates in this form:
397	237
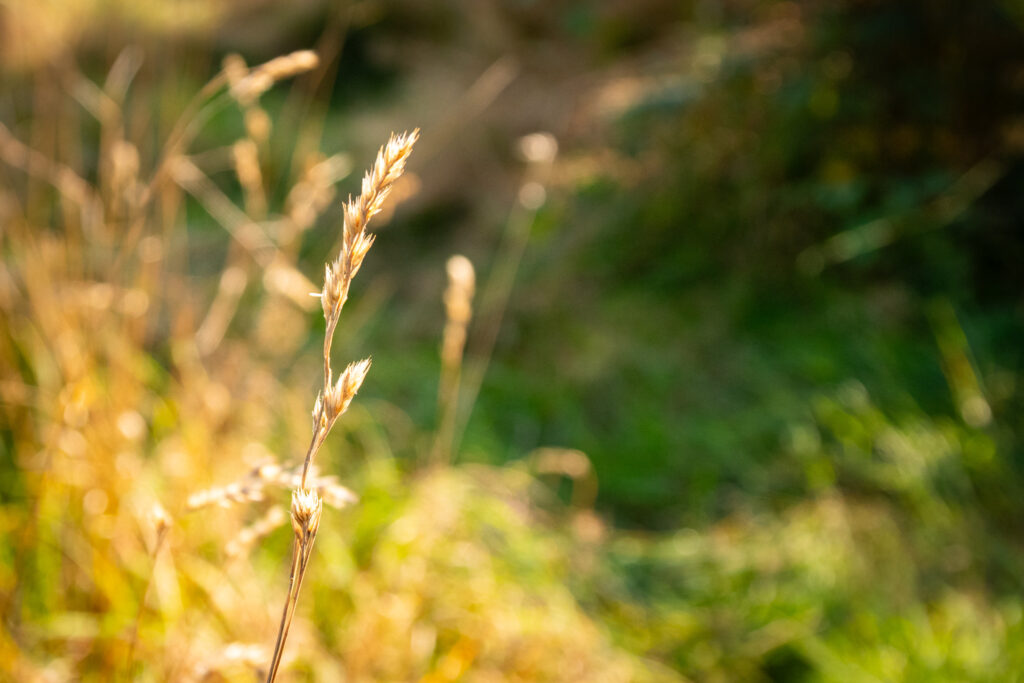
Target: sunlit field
511	341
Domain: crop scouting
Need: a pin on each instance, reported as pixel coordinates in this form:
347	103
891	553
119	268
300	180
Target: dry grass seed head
458	299
306	509
389	166
334	397
258	81
377	183
461	284
252	487
338	397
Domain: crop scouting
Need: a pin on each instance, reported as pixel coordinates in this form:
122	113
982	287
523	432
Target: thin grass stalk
294	579
335	397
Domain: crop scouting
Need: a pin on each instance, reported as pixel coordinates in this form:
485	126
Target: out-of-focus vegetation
770	285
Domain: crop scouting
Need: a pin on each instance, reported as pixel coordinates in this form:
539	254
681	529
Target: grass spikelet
377	183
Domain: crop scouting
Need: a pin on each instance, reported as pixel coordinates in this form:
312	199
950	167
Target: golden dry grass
335	397
151	416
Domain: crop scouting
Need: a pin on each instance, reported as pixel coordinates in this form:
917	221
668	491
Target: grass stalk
335	397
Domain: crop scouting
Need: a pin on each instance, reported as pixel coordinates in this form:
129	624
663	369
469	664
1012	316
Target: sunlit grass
827	510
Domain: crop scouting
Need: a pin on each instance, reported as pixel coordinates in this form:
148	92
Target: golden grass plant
336	396
85	302
145	387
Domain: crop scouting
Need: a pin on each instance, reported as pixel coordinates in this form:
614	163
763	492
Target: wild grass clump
150	409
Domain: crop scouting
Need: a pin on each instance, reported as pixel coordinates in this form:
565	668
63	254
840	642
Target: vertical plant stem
294	580
335	397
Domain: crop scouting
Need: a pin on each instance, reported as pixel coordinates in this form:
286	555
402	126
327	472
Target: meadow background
741	397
